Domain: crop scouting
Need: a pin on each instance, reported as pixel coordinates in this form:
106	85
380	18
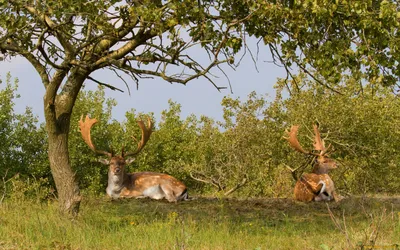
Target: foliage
334	38
23	142
237	153
6	120
138	38
168	148
244	153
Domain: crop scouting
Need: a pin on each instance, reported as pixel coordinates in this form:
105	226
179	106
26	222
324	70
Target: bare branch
104	84
239	185
212	182
122	79
227	77
274	51
172	78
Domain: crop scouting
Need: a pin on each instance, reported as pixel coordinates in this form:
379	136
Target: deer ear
129	160
104	161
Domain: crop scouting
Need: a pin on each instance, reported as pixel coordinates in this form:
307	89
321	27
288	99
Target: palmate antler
318	144
295	144
86	125
146	132
293	141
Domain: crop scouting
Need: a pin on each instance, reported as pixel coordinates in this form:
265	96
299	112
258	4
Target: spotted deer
134	185
317	185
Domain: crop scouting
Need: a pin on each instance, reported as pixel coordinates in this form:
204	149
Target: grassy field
204	223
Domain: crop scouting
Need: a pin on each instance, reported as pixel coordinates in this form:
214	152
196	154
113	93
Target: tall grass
201	224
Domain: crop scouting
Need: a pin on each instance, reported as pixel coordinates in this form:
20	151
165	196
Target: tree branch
172	78
39	46
9	45
212	182
69	49
239	185
105	84
121	52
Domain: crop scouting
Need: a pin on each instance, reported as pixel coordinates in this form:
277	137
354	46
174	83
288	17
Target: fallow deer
318	185
134	185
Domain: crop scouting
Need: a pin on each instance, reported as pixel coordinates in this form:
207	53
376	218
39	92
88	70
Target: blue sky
198	97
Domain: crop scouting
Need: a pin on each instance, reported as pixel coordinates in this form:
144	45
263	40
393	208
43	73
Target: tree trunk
67	187
58	110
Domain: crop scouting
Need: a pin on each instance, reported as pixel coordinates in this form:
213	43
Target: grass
204	223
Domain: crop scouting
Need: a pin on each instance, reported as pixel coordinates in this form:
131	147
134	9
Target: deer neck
318	169
116	183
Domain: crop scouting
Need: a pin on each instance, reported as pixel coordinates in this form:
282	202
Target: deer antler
292	139
146	132
319	143
85	126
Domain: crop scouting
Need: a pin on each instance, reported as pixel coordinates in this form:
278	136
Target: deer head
323	164
116	163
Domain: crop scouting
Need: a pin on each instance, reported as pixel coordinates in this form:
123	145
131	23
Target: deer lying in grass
318	185
134	185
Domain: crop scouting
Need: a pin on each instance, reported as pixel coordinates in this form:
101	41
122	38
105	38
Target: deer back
153	185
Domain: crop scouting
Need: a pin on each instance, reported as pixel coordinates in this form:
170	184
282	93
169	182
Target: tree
66	41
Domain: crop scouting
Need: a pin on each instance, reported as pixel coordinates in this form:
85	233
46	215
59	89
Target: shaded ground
270	212
251	207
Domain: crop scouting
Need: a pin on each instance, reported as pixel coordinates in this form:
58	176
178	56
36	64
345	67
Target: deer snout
335	165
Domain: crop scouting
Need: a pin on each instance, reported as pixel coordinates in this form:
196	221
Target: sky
198	97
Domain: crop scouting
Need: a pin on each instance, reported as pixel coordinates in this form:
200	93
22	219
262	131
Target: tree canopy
336	39
125	37
333	38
